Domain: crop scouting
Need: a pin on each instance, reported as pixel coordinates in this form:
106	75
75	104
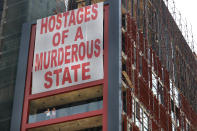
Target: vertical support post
17	110
114	66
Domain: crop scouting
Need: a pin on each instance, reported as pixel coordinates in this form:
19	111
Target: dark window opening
137	111
72	4
161	93
172	105
124	101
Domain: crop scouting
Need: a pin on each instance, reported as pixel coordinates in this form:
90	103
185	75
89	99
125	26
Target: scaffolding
156	20
156	40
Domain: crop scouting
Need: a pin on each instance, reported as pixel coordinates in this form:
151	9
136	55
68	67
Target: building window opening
161	93
176	97
152	62
140	116
171	90
80	101
175	103
187	126
74	4
154	85
124	21
124	101
177	116
133	110
149	55
145	122
182	123
172	111
173	127
163	75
